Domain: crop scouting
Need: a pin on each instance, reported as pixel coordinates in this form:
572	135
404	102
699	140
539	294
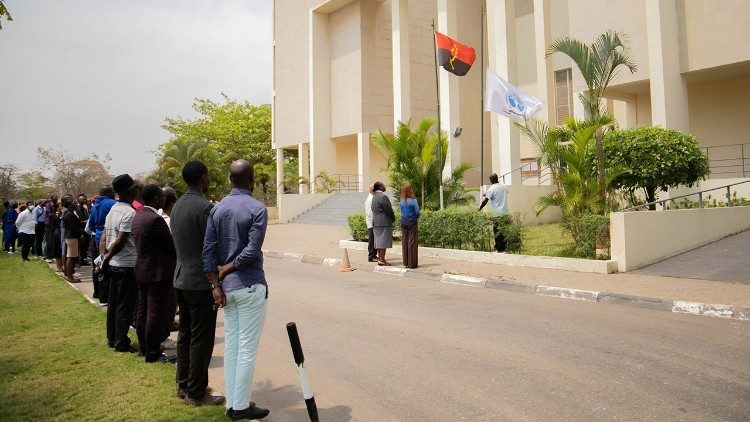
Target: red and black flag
455	57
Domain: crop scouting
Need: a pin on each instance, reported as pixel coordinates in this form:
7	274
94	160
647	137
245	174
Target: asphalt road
387	348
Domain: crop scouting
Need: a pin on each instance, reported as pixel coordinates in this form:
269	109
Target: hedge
589	231
455	229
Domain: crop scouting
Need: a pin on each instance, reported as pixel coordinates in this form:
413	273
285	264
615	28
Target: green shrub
588	231
454	229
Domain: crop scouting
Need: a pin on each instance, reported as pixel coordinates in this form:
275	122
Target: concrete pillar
669	96
501	33
279	173
322	149
303	155
545	77
401	68
363	161
450	104
631	113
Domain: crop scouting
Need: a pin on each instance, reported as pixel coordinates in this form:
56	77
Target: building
344	69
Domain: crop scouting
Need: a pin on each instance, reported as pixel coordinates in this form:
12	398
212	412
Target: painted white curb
574	294
399	272
463	279
697	308
293	256
332	262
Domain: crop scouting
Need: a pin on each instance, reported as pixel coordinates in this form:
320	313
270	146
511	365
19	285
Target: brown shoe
206	400
181	394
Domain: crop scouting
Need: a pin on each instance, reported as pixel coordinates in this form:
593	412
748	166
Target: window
529	167
563	95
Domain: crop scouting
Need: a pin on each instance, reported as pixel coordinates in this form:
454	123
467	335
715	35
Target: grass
55	363
547	240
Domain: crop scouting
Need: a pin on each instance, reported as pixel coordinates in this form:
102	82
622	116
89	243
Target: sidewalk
323	242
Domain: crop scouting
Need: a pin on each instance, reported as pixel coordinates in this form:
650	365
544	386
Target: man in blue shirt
497	195
233	263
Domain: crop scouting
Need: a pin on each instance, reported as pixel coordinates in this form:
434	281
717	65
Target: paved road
723	260
387	348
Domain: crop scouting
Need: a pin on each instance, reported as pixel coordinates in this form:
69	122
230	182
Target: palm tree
598	62
177	153
412	156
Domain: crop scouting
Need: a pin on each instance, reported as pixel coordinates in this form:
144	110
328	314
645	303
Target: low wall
273	213
522	200
295	204
644	237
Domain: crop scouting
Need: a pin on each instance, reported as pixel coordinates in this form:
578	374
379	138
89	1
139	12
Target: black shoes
164	359
252	412
130	349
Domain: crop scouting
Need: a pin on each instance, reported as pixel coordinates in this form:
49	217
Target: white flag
509	101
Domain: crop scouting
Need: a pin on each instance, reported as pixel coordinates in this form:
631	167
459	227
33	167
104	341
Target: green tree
598	62
4	13
174	155
657	159
33	185
412	156
8	185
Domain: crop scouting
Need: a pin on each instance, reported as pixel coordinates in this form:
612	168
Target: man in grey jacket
197	330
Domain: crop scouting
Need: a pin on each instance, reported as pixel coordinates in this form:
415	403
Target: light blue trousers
244	315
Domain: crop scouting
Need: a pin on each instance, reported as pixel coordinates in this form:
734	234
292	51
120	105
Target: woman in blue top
9	227
409	216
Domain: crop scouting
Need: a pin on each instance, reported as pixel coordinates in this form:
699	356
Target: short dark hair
378	186
82	195
106	191
193	171
66	201
170	197
493	178
150	192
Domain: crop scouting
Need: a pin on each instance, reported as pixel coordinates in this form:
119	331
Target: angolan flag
455	57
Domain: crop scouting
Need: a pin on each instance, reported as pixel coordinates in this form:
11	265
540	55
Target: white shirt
368	210
26	222
166	218
120	219
498	196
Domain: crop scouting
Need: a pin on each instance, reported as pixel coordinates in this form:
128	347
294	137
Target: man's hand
225	270
220	299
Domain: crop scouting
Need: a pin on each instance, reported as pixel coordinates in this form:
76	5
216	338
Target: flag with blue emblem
509	101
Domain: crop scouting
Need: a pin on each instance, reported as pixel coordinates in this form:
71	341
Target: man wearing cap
119	253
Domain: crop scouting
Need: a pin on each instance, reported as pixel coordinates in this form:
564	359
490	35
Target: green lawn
546	240
55	363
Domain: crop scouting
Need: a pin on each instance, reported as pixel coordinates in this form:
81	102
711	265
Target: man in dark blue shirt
233	262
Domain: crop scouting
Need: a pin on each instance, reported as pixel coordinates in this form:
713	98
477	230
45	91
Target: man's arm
388	208
103	244
163	237
483	203
116	247
251	252
210	251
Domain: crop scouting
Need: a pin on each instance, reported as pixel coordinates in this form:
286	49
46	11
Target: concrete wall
421	47
377	67
346	70
719	111
346	155
522	200
642	238
293	205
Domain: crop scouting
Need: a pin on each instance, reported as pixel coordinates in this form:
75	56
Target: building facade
345	69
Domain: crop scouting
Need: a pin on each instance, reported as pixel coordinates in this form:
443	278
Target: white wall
522	200
293	205
644	237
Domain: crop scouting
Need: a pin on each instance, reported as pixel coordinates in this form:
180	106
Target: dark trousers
499	239
153	310
38	239
172	311
122	297
49	240
101	281
409	243
27	242
372	253
83	247
195	341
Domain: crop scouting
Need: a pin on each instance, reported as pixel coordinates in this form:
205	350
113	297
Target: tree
412	156
174	155
8	187
74	174
657	159
4	13
33	185
598	62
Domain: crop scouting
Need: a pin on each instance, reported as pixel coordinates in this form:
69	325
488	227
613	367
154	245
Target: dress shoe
164	359
181	394
252	412
206	400
130	349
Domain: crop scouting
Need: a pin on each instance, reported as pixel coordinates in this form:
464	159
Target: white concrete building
344	69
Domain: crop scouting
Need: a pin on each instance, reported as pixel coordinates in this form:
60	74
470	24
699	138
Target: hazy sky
101	75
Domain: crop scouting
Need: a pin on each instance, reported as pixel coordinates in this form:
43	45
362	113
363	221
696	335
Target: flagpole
439	128
481	124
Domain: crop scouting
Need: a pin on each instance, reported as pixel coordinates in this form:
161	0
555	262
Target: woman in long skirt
409	218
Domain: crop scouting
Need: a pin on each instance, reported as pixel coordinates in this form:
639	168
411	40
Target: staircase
333	211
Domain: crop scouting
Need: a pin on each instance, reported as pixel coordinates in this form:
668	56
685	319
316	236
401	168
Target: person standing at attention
39	217
26	224
382	222
371	252
72	235
409	216
118	249
154	272
197	328
497	195
233	262
97	218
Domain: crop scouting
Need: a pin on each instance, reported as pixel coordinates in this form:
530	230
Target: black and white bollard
299	359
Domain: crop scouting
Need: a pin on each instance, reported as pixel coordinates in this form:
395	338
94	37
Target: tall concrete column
545	77
303	156
501	33
363	160
401	68
669	96
322	149
450	106
279	173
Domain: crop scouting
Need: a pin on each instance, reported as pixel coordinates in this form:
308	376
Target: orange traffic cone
346	266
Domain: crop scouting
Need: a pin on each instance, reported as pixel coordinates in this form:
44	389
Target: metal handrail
742	168
700	197
538	174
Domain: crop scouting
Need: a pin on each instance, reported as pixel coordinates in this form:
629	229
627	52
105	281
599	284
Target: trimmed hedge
589	231
455	229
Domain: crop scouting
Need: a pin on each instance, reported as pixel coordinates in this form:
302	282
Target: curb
677	306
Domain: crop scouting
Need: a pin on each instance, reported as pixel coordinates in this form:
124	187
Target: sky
102	75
